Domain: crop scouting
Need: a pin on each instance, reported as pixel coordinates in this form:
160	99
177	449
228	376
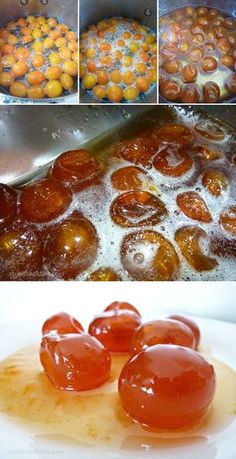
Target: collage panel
38	52
70	385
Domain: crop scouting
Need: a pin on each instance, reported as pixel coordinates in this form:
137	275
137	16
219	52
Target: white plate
16	441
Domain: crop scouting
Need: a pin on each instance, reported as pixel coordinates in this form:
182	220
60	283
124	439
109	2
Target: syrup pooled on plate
159	205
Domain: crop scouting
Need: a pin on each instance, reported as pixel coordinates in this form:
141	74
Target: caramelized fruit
137	208
138	151
193	206
173	161
8	205
147	255
175	133
167	387
120	305
128	178
215	181
75	362
62	324
71	247
115	328
77	169
191	324
189	238
20	253
104	275
44	200
161	332
228	220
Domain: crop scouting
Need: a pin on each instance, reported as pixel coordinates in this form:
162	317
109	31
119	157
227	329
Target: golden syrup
96	418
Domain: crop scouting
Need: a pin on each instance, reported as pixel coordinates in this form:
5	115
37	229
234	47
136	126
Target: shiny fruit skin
21	253
161	332
18	89
167	387
104	275
115	328
8	205
61	323
44	200
53	89
76	168
71	247
122	305
75	362
191	324
162	164
193	206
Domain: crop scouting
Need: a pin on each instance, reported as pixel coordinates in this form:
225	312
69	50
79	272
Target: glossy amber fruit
138	151
161	332
148	256
175	133
76	168
128	178
137	208
122	305
167	387
189	240
75	362
71	247
193	206
228	220
104	275
173	161
61	323
45	200
191	324
215	181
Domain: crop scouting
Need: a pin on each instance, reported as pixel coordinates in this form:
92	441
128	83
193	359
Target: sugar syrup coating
104	275
161	332
167	387
44	200
21	253
61	323
189	240
120	305
75	362
191	324
193	206
115	328
137	208
71	247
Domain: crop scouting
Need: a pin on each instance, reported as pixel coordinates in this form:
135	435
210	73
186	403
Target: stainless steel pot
143	11
32	137
227	6
67	12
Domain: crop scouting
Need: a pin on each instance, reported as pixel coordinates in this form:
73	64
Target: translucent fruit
189	240
170	90
115	328
228	220
104	275
45	200
210	131
215	181
172	161
20	253
128	178
191	324
161	332
71	247
175	133
138	151
137	208
61	323
167	387
77	168
8	205
193	206
120	305
148	256
75	362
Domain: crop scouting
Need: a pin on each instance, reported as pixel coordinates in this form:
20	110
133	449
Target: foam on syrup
96	417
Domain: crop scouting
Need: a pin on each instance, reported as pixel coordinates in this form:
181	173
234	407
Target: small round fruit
209	64
38	60
61	323
100	92
228	220
211	92
22	53
193	206
55	58
115	94
131	93
71	247
19	69
70	67
189	73
170	90
104	275
171	66
6	79
36	77
115	328
143	84
67	81
75	362
122	305
215	181
161	332
53	73
18	89
36	92
89	81
53	89
44	200
190	94
191	324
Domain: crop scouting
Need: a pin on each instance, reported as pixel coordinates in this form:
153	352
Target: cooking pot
65	12
226	6
144	12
